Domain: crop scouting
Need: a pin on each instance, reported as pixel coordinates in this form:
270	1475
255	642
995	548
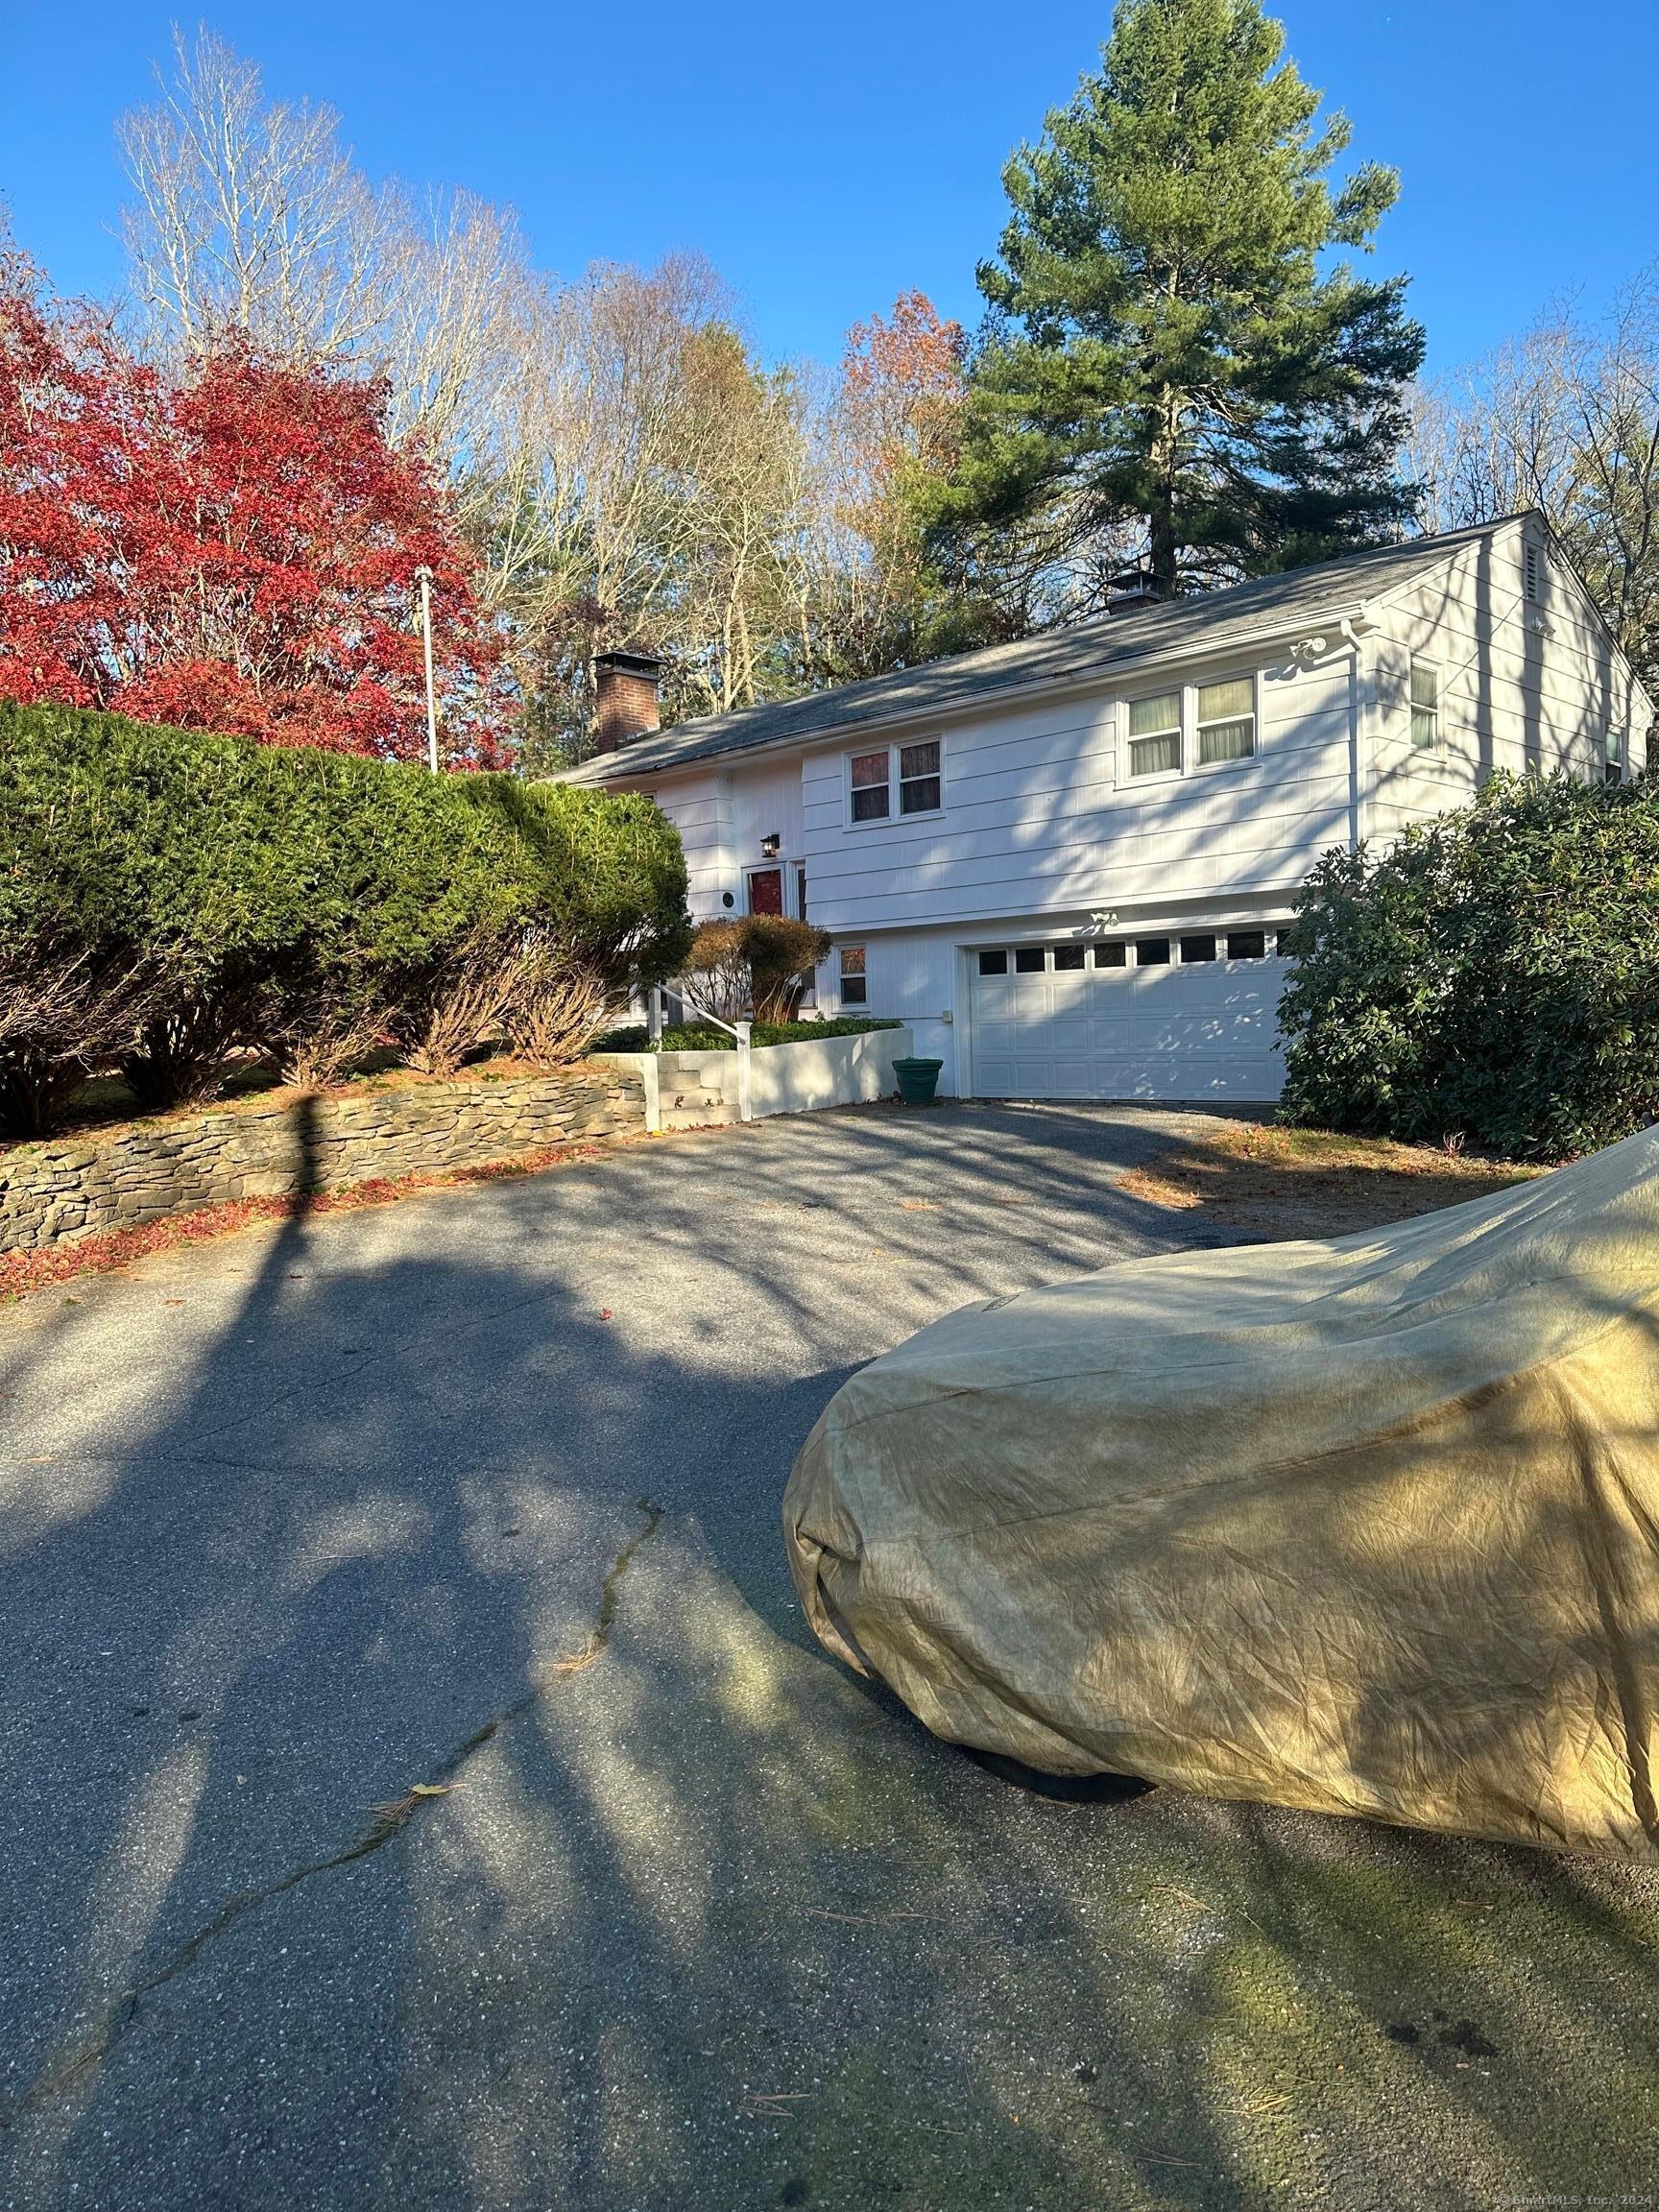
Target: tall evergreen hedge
1493	976
168	897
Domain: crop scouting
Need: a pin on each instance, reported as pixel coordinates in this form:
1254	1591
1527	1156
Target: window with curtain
919	777
1155	735
1425	704
1227	720
872	799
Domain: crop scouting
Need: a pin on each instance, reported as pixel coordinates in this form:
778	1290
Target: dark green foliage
169	897
1171	381
704	1037
1494	977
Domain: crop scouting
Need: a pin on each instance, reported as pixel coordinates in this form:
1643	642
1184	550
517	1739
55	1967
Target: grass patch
1278	1183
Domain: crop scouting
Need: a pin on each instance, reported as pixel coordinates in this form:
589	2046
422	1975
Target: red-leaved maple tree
232	547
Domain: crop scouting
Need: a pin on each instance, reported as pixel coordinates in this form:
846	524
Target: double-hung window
1200	725
871	787
854	983
1155	735
1613	763
1227	720
919	777
896	779
1425	704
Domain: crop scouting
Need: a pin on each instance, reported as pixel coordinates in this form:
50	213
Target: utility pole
423	577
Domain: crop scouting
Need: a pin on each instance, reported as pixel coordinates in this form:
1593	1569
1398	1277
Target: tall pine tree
1174	379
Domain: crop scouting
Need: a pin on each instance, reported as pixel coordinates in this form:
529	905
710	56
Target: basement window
1425	704
854	984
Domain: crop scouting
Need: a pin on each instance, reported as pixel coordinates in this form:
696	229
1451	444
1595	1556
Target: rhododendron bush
230	545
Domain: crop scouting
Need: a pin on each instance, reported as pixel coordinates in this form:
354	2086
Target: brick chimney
625	702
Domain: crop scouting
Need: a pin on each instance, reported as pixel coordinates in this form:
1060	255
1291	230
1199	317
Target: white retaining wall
782	1078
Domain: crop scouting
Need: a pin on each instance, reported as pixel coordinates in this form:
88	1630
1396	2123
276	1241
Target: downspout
1356	728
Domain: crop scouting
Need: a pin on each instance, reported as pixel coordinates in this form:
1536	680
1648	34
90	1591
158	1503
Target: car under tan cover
1369	1526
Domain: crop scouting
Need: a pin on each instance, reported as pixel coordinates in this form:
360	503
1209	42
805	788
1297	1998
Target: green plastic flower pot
917	1080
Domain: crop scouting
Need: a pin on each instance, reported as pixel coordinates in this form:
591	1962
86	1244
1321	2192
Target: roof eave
1088	680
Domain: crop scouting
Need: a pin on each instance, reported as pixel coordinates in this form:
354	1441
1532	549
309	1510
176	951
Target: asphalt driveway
419	1790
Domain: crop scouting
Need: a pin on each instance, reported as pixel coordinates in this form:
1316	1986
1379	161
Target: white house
1064	862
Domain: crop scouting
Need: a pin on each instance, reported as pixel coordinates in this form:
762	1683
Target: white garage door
1191	1015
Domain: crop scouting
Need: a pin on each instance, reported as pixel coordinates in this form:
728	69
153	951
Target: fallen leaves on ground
1274	1183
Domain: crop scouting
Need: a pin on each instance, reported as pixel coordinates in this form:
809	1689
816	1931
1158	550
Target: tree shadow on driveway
300	1526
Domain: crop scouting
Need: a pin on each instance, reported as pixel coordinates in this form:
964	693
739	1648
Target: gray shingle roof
1221	619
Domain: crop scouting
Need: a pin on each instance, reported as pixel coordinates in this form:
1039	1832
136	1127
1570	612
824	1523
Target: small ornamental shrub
716	974
782	956
760	966
1492	977
169	898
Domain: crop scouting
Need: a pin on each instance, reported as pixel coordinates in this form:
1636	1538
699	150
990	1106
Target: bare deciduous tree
1566	418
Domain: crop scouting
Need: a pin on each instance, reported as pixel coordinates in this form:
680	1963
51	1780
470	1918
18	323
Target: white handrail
740	1030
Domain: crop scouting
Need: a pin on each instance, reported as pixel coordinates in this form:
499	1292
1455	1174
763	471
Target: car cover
1370	1526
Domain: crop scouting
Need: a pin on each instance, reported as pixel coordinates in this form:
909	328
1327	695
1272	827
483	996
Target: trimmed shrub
704	1037
716	974
1493	977
782	956
760	965
167	898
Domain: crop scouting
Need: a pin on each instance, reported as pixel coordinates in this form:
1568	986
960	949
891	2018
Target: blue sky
826	159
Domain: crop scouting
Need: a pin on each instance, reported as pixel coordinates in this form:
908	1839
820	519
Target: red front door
766	891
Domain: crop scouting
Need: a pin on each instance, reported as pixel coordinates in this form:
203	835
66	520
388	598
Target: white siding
1521	685
1040	814
722	814
1043	835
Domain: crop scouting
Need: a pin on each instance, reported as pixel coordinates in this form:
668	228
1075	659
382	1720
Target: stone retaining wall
71	1187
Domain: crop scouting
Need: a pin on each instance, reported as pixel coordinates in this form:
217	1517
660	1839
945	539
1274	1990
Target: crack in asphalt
386	1821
